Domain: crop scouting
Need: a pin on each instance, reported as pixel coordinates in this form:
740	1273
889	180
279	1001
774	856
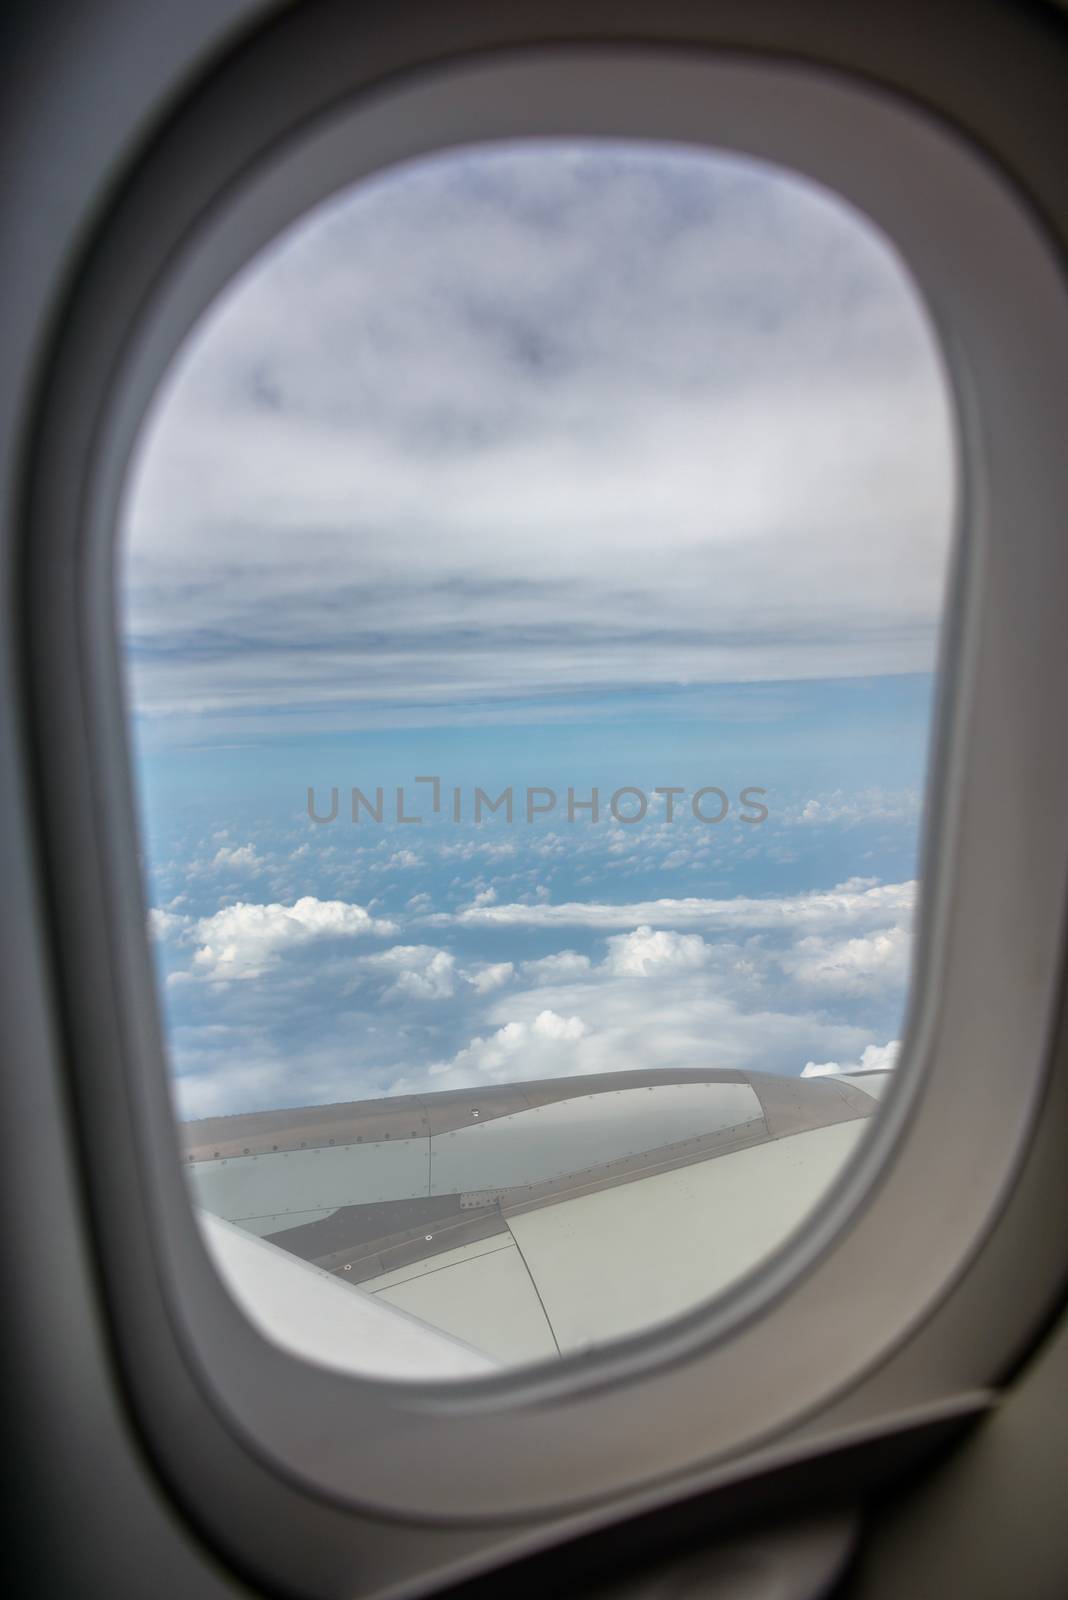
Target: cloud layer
857	900
515	423
756	988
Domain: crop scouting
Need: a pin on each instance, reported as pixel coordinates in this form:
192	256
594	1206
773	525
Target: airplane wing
512	1223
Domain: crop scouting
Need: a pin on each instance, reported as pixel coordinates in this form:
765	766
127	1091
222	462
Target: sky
539	468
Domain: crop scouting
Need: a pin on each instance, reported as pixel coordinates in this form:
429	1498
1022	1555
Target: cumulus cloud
643	952
657	999
547	1025
164	924
494	975
241	856
418	971
868	805
608	1023
858	965
874	1058
562	967
247	940
540	1047
762	982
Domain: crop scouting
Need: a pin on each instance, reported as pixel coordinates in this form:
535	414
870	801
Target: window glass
531	582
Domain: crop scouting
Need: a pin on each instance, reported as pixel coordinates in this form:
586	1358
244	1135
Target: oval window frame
588	1428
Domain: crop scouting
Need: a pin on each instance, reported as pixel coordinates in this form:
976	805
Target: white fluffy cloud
643	952
769	985
859	965
543	1046
242	856
869	805
418	971
494	975
164	924
873	1058
766	983
599	1020
246	940
562	967
425	972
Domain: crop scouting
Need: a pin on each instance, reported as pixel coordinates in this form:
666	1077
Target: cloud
871	961
541	1047
506	421
232	1085
858	900
563	967
610	1023
767	983
547	1025
643	952
247	940
225	1068
243	856
419	971
488	978
163	924
757	989
869	805
658	999
874	1058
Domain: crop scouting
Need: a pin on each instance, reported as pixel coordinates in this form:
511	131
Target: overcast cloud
540	420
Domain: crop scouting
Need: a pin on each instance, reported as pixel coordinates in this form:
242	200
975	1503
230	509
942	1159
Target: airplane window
532	574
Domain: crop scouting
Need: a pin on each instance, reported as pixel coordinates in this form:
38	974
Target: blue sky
555	465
